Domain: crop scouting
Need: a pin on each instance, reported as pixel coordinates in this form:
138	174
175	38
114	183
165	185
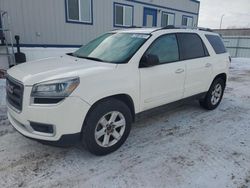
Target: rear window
191	46
216	43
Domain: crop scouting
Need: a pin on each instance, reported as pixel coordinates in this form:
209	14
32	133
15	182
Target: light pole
221	20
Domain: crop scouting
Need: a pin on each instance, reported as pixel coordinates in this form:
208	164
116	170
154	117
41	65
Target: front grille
14	91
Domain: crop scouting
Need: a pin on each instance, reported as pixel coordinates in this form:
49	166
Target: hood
55	68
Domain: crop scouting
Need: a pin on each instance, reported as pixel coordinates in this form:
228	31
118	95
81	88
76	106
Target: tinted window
118	15
216	43
184	21
73	9
166	48
191	46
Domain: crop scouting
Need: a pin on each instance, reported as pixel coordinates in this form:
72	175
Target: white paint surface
183	146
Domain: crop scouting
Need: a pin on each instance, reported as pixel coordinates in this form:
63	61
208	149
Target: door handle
178	71
208	65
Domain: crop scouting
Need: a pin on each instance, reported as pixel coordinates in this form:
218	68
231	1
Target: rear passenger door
198	66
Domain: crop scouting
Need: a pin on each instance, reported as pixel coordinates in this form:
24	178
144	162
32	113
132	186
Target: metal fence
237	46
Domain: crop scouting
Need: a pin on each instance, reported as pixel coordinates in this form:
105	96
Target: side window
123	15
216	43
79	11
167	19
187	21
1	32
166	48
191	46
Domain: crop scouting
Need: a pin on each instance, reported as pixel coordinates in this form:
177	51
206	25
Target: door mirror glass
149	60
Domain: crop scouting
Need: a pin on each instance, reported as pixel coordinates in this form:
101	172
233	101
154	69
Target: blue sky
236	13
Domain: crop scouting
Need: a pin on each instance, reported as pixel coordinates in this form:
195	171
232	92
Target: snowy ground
183	146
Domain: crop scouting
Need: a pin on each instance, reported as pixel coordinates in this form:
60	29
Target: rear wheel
214	95
107	126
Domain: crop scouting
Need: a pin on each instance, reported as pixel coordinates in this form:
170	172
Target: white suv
93	94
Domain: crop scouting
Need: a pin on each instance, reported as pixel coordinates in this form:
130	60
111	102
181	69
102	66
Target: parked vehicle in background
93	94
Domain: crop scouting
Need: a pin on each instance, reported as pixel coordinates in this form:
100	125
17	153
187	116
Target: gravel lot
182	146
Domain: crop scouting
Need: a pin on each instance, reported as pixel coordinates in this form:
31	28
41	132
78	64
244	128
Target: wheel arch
223	76
125	98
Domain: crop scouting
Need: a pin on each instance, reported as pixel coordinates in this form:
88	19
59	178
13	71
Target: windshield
112	47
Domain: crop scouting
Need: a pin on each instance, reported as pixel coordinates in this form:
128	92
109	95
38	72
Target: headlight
55	89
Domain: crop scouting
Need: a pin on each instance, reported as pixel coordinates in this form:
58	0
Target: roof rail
192	27
185	27
132	27
205	29
169	27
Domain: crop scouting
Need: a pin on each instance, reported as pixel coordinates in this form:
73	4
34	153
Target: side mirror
149	60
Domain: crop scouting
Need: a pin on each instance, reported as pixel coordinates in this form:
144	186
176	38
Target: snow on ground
177	146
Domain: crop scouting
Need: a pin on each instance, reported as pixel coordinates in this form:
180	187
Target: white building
71	23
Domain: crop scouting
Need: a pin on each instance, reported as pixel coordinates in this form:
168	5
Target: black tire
207	101
96	113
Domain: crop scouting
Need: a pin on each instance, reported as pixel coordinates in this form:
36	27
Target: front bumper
64	141
66	117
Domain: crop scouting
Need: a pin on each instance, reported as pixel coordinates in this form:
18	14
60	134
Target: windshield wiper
86	57
93	58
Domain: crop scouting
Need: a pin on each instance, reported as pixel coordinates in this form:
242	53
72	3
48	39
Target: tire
102	124
214	95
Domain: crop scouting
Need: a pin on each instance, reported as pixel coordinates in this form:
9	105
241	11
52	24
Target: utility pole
221	20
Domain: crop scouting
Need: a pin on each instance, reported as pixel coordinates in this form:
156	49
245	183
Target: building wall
43	22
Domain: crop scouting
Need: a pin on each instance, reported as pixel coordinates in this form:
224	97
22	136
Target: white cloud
237	13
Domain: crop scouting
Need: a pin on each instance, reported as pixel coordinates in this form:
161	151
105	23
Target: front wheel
107	126
214	95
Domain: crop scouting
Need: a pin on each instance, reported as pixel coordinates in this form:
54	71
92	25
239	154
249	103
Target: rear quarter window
216	43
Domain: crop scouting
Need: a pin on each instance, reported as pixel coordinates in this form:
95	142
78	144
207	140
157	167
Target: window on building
167	19
1	32
216	43
191	46
166	48
123	15
187	21
79	11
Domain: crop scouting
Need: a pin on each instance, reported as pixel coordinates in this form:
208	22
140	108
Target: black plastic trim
14	93
48	100
43	128
64	141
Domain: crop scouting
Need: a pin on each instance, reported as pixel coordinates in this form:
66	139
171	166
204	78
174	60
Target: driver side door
164	82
